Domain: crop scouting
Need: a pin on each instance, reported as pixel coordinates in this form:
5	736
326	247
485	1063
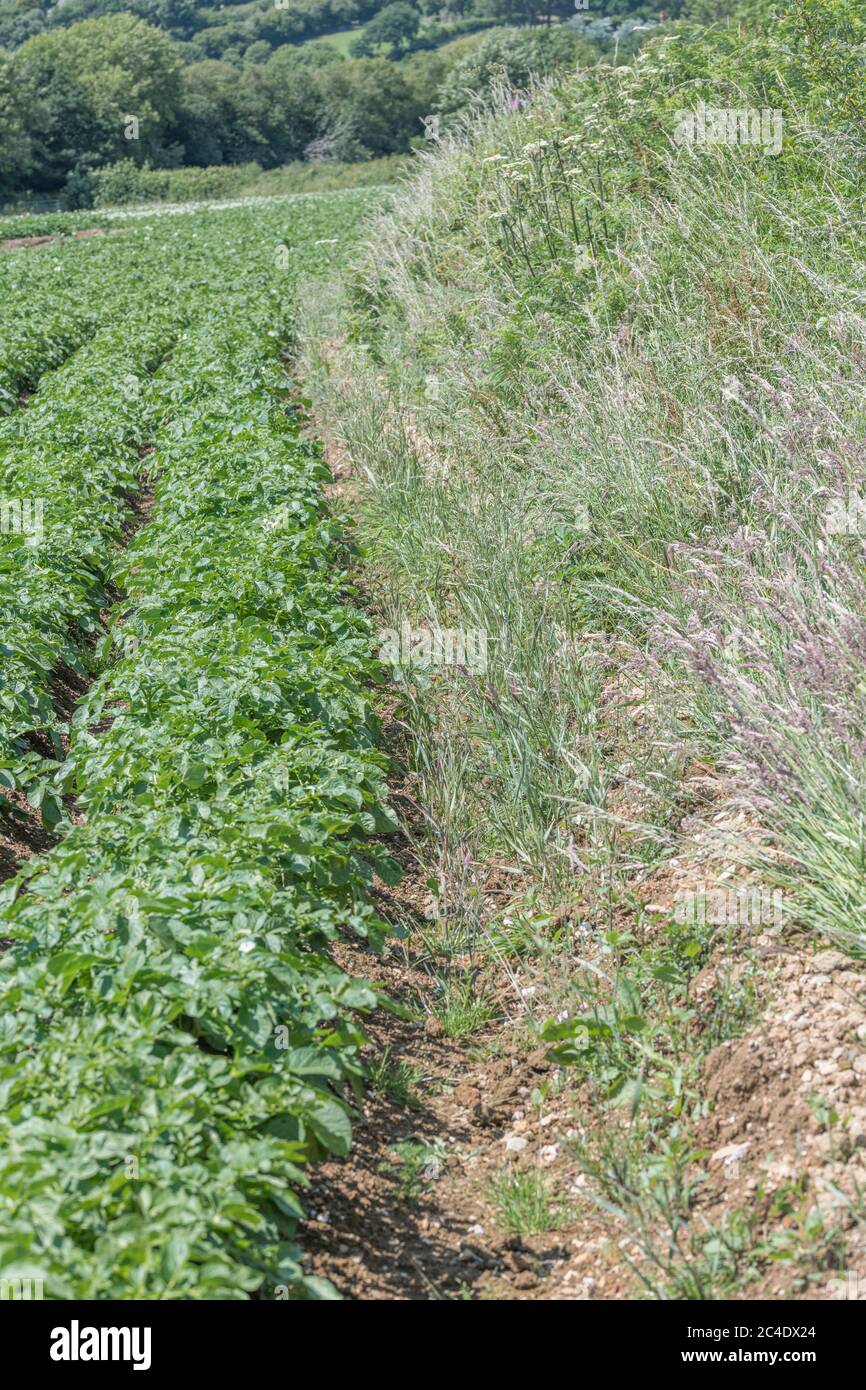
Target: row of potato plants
68	464
176	1043
31	346
47	315
86	324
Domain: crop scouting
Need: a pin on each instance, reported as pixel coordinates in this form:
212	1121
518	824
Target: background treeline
84	89
229	31
116	89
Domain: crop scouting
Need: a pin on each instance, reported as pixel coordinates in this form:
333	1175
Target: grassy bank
599	379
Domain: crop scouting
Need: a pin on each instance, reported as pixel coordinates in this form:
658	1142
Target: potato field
185	734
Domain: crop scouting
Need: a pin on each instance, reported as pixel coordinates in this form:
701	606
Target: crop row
48	315
176	1044
68	465
69	462
29	348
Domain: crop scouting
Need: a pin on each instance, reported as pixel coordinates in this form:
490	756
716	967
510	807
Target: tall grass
603	394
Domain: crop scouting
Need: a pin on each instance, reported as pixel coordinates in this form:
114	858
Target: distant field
341	39
159	188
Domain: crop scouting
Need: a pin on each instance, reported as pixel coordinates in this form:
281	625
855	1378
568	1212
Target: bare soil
471	1104
31	243
485	1106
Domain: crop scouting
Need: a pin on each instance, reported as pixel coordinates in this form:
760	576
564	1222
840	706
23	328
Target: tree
111	89
78	190
233	118
291	72
258	52
424	73
395	29
516	55
16	144
368	107
20	20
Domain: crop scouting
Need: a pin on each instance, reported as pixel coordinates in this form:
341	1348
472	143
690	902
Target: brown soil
98	231
21	834
25	243
787	1129
30	243
375	1235
142	502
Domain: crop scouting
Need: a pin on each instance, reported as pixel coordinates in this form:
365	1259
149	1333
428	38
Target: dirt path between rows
411	1213
32	243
